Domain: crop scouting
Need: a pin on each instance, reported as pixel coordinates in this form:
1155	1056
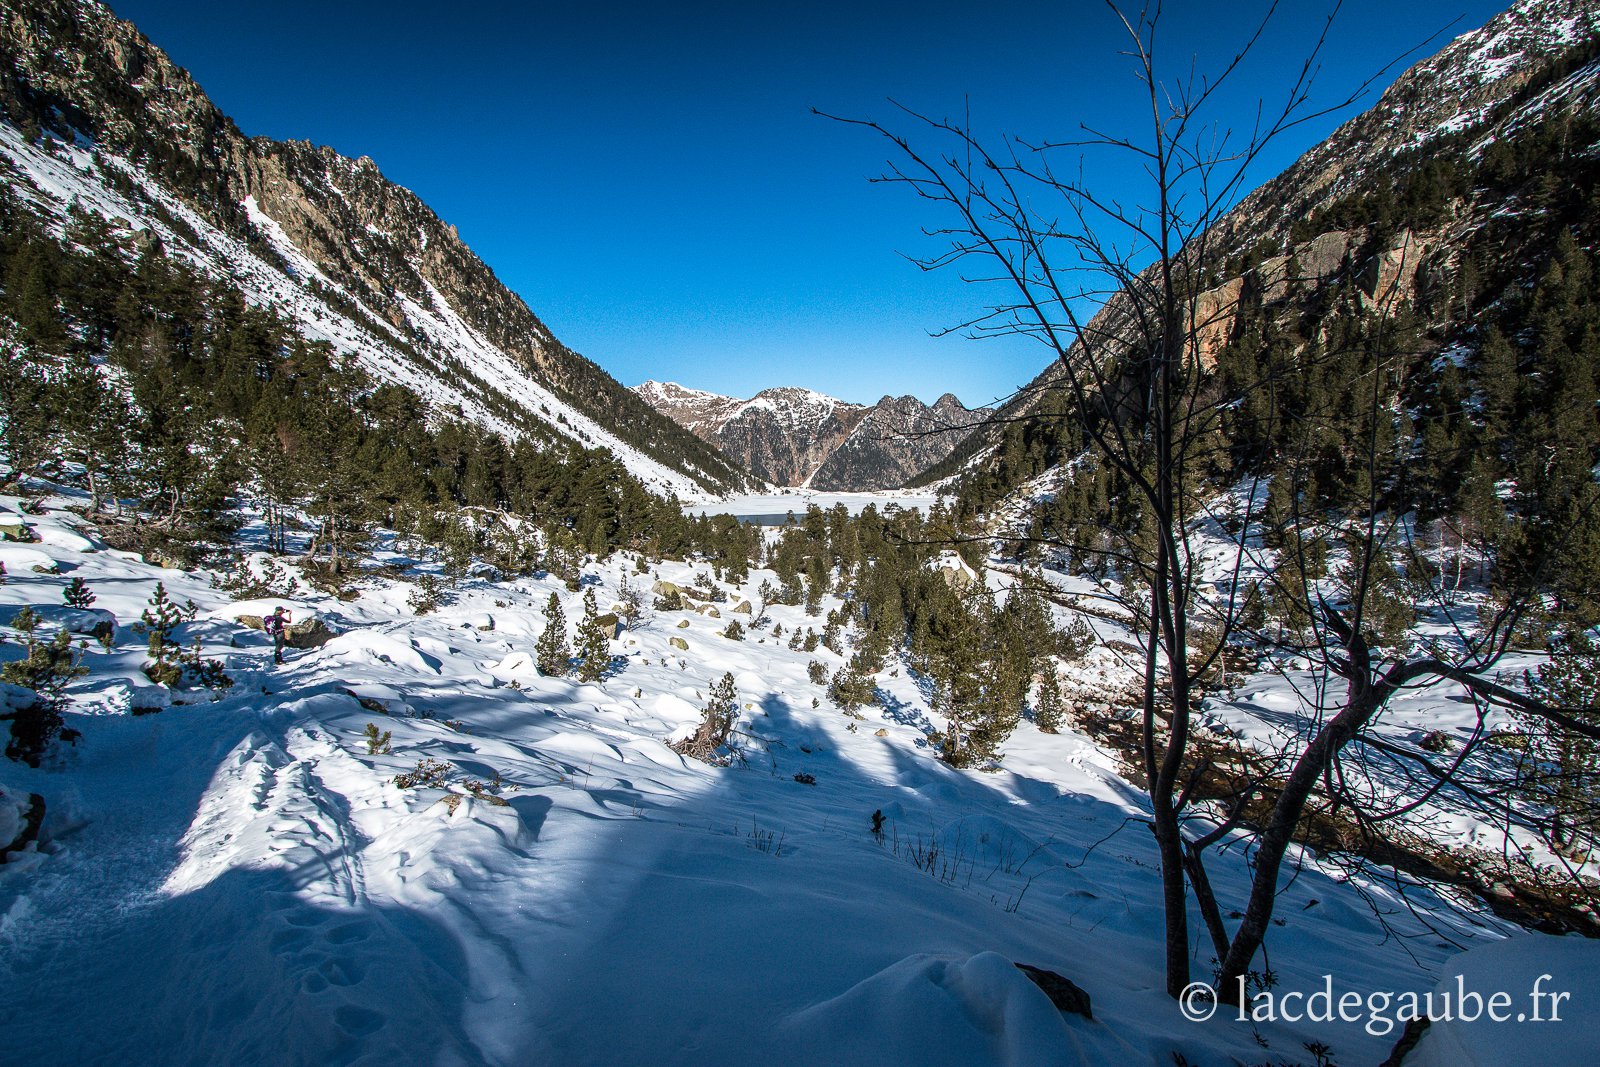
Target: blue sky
650	178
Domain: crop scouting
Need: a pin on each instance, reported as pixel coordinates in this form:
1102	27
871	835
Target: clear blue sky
649	177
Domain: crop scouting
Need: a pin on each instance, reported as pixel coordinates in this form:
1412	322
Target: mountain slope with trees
1445	198
1356	450
101	120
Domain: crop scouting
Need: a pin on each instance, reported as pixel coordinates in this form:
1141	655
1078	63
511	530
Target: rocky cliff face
795	437
1323	226
99	116
1455	90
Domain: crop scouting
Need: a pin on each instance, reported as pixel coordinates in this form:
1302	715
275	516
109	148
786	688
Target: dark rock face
31	824
795	437
1063	992
898	439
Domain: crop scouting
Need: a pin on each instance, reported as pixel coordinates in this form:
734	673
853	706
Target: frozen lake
771	509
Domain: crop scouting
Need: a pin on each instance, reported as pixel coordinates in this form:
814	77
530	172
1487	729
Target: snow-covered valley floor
240	880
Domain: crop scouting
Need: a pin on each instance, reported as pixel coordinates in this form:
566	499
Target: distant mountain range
797	437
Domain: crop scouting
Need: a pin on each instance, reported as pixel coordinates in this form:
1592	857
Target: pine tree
157	622
1050	711
594	644
1567	774
77	594
553	653
716	723
47	668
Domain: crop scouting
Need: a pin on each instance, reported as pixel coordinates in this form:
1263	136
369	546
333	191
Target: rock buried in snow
743	608
708	611
1063	992
978	1009
311	633
90	622
683	624
370	703
21	823
678	643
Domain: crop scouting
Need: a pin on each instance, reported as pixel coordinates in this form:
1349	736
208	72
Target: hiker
277	626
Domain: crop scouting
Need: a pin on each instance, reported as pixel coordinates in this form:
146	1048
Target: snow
238	879
1515	966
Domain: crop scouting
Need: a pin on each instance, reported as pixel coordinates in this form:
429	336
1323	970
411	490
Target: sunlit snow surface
241	882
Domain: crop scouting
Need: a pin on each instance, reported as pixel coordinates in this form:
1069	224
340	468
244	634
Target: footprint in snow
348	934
358	1022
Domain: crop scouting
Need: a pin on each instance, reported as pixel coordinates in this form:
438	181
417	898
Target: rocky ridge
798	437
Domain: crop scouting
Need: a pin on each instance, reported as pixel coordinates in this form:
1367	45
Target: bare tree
1124	295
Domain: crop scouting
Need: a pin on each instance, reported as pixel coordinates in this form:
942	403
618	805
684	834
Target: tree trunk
1279	832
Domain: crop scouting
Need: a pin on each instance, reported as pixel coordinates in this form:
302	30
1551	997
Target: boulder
309	633
956	578
32	820
610	624
683	624
89	622
708	611
678	643
743	608
17	530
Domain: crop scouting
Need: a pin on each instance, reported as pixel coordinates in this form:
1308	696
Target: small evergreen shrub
77	594
377	743
427	595
47	668
428	773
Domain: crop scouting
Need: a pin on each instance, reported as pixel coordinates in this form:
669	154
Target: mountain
1446	203
99	120
796	437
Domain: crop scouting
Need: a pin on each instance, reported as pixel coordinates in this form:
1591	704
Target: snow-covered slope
240	880
323	240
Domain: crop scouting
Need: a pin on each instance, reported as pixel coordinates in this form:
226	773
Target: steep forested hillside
98	120
1443	241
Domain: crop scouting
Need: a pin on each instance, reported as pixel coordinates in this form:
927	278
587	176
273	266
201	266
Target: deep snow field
238	881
